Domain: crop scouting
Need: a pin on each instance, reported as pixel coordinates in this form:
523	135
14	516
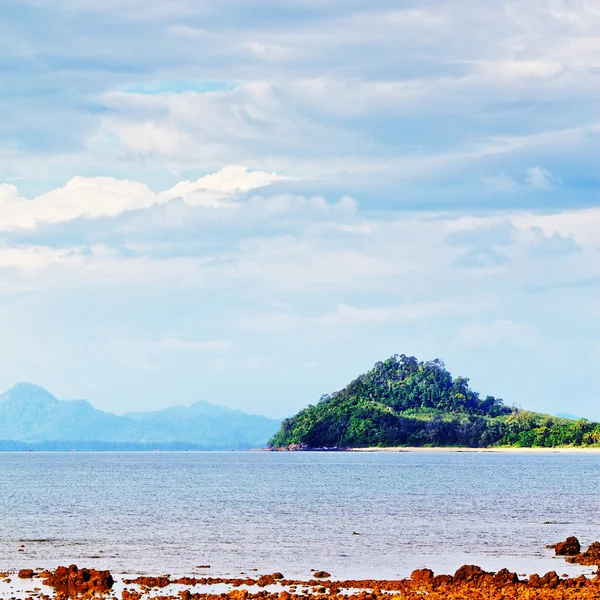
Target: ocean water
351	514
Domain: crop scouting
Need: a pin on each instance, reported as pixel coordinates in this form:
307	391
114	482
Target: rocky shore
468	582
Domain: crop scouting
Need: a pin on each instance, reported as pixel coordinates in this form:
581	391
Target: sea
354	515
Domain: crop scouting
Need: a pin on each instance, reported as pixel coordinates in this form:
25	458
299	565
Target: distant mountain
405	402
31	416
571	416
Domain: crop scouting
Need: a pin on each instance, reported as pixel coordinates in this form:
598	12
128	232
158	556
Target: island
406	402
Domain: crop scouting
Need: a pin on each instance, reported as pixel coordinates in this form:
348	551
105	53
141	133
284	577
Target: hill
31	417
404	402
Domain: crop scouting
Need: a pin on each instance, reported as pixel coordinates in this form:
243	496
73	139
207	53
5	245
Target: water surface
293	512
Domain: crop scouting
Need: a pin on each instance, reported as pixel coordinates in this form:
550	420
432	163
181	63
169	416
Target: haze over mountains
31	417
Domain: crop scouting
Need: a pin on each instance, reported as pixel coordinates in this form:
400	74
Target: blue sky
252	203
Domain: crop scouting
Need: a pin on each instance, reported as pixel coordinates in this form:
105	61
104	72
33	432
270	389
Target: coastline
469	581
433	449
565	449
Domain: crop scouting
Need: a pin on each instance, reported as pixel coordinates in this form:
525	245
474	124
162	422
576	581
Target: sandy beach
451	449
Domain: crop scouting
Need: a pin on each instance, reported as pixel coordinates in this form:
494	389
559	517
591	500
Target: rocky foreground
469	582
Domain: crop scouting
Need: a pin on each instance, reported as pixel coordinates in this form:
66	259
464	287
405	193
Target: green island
405	402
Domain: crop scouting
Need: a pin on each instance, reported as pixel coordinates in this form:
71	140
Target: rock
550	580
468	573
298	448
505	577
277	575
590	557
570	547
265	580
321	574
72	580
25	574
422	576
150	582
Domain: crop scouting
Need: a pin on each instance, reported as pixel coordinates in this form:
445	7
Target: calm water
291	512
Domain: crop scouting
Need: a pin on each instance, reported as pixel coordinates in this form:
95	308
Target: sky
252	202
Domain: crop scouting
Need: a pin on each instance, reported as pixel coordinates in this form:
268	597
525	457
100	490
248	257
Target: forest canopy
405	402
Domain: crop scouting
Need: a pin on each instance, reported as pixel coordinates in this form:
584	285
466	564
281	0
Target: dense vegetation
404	402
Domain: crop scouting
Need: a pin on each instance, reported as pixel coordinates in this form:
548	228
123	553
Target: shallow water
291	512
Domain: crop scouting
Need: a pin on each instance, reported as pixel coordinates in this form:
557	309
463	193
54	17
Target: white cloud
230	179
540	179
106	196
511	70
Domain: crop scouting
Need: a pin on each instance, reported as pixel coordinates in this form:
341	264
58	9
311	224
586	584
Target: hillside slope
404	402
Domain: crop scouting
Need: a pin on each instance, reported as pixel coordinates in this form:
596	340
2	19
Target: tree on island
404	402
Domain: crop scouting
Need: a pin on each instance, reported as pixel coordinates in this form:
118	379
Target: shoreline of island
444	449
503	449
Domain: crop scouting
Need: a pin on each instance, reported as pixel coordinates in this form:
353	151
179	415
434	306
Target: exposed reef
72	581
468	582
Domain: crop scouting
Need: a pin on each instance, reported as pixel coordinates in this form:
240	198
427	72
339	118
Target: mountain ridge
31	415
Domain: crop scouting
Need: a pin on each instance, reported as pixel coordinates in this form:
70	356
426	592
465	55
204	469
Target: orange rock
25	574
468	573
504	577
72	580
237	595
570	547
149	582
588	558
422	576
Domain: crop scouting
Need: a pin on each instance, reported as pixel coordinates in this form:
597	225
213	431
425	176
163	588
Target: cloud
554	244
179	291
409	170
304	90
540	179
535	177
106	196
502	242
